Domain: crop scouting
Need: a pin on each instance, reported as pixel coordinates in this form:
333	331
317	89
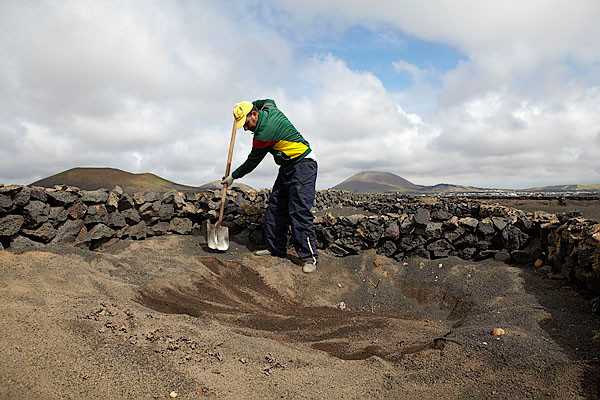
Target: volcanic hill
108	178
386	182
376	182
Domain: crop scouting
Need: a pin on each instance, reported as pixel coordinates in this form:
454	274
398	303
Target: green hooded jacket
274	134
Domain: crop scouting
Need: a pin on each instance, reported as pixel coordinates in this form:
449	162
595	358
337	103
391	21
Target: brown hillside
386	182
373	181
108	178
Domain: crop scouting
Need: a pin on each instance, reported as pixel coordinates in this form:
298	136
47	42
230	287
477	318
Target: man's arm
254	158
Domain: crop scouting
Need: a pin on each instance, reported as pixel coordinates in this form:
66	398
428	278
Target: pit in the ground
408	319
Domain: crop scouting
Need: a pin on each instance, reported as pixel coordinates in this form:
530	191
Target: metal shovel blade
217	236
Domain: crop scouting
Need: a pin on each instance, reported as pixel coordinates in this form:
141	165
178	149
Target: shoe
262	253
309	267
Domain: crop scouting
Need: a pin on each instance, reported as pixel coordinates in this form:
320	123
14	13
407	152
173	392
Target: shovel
217	236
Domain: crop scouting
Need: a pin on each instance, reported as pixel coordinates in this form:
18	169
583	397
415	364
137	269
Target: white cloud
111	78
354	123
149	86
526	89
549	27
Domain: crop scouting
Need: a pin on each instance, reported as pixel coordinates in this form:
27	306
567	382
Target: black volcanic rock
371	230
10	190
57	215
96	213
21	242
126	202
499	223
100	231
10	224
440	215
422	217
39	194
514	239
440	248
138	231
469	222
159	228
183	226
151	197
407	225
6	204
116	220
351	244
468	240
22	198
131	216
139	198
113	200
44	233
77	210
166	212
468	253
434	229
391	230
387	249
529	253
485	227
524	223
147	212
35	213
61	197
94	196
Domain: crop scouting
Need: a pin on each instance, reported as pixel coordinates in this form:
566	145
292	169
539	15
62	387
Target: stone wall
33	217
398	227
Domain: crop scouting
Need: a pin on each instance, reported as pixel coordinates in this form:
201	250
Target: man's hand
227	180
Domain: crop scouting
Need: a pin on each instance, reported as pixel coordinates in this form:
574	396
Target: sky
469	92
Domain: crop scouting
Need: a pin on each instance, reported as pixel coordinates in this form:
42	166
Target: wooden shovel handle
227	170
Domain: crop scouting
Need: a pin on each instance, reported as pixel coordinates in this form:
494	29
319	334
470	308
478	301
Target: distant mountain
565	188
108	178
386	182
377	182
448	188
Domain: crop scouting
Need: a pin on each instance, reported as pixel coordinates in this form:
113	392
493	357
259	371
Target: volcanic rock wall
397	227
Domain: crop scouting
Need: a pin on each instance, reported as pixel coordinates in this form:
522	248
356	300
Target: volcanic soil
166	317
589	208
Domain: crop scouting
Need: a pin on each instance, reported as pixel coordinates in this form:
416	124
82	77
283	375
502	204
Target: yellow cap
240	111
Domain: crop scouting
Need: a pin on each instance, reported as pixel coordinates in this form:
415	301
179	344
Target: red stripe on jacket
261	144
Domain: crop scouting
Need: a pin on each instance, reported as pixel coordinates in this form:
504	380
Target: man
294	189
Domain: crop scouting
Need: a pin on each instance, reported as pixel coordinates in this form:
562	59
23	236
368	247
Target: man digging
294	189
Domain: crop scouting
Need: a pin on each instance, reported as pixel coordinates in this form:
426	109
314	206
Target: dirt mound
237	296
145	319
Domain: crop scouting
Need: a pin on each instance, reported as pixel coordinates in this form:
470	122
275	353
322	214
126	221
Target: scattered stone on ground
143	319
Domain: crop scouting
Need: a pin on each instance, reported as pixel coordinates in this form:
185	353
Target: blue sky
366	49
472	93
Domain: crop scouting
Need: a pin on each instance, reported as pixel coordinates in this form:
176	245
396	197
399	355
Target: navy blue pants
290	203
